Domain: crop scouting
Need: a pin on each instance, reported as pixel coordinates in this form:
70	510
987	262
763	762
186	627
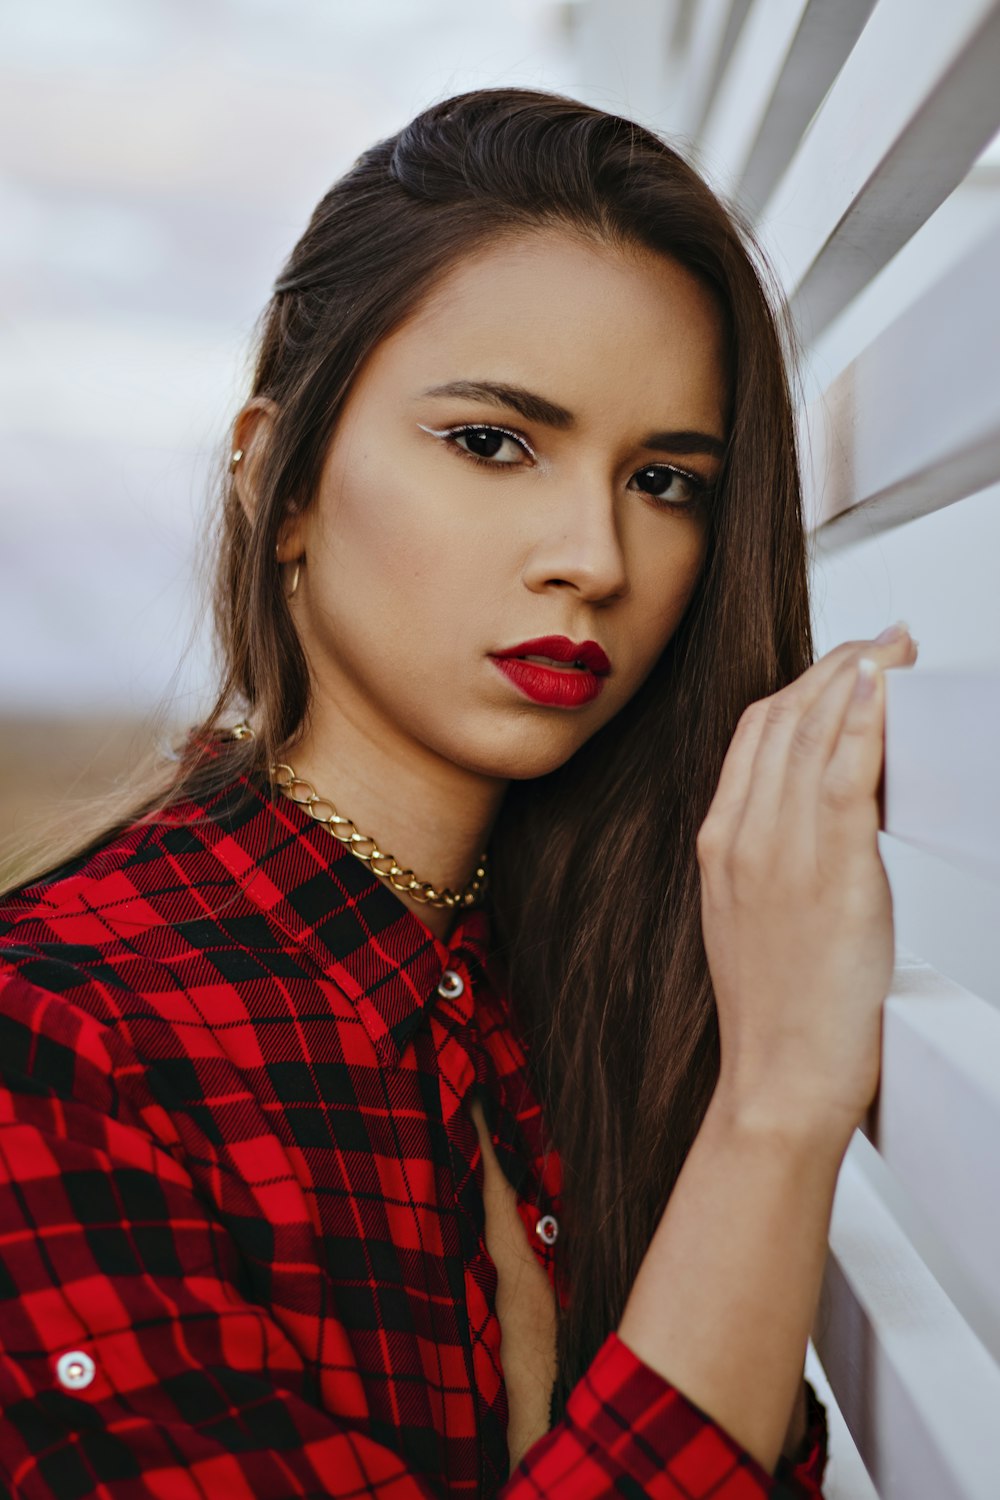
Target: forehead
619	333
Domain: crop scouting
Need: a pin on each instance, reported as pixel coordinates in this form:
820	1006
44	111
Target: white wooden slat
919	1392
913	423
909	112
821	44
697	76
625	60
746	89
937	1125
923	1230
948	915
730	34
846	1477
942	788
786	57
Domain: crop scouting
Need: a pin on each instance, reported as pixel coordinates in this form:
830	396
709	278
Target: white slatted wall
861	138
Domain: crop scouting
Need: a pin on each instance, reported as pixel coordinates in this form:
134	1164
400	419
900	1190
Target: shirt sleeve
133	1364
632	1422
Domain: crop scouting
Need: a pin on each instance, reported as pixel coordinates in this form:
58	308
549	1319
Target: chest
434	1283
525	1305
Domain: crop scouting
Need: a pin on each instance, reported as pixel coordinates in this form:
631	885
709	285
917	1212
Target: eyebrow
536	408
685	442
532	407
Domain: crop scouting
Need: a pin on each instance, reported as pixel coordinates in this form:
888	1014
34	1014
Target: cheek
413	525
663	585
376	535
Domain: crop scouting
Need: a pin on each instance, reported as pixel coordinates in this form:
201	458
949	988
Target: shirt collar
380	954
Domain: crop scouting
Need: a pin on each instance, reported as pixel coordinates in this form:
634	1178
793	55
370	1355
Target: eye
484	444
489	444
671	487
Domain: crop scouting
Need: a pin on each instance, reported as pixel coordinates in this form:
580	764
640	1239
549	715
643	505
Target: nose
577	544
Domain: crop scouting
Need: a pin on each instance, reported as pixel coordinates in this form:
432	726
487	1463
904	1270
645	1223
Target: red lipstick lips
578	681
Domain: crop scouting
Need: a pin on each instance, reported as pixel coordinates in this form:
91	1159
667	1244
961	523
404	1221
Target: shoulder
122	967
112	921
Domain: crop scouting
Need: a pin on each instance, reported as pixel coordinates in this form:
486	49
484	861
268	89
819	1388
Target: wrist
787	1125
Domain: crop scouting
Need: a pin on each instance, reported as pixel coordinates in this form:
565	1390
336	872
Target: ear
252	432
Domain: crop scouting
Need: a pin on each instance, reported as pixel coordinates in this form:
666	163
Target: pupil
483	442
655	480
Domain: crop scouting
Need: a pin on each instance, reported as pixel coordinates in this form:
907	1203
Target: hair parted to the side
595	887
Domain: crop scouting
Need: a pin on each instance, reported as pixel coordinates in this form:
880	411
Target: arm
797	1425
742	1249
798	930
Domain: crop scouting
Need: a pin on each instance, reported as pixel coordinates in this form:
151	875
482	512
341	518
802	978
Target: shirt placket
462	1073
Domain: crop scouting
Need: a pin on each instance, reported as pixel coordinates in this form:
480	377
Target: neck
432	816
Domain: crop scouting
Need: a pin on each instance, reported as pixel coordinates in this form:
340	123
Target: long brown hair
595	888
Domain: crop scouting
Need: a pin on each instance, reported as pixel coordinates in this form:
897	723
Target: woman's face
530	455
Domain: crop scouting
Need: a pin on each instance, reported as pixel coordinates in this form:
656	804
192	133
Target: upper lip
561	648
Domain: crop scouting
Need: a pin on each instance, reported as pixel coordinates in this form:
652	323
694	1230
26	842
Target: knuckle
744	865
846	650
752	715
859	729
840	791
808	737
708	842
778	709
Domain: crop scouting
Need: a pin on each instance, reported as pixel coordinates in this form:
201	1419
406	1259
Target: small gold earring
295	574
234	459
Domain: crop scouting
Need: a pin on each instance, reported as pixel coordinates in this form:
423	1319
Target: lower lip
562	687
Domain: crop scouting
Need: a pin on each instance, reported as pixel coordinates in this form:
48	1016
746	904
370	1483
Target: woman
512	584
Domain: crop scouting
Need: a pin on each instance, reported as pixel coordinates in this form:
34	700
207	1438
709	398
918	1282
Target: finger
734	779
848	787
777	716
789	728
814	745
899	650
790	762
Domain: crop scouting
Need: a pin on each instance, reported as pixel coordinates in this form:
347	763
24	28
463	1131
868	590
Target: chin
524	756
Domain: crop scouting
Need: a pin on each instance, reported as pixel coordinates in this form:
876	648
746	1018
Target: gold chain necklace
304	795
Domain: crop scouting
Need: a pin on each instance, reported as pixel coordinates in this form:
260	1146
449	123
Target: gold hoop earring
290	593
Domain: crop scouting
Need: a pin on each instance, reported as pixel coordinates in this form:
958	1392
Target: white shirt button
452	985
547	1229
75	1370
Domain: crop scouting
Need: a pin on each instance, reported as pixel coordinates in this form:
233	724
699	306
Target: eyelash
702	488
477	458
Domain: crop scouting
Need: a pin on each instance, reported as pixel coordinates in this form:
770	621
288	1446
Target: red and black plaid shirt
241	1215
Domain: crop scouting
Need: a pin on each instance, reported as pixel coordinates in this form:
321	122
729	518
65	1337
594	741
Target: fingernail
864	683
893	632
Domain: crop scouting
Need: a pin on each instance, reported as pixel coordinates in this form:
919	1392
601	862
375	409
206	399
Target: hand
796	907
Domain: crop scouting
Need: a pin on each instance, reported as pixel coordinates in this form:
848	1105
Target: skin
415	564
